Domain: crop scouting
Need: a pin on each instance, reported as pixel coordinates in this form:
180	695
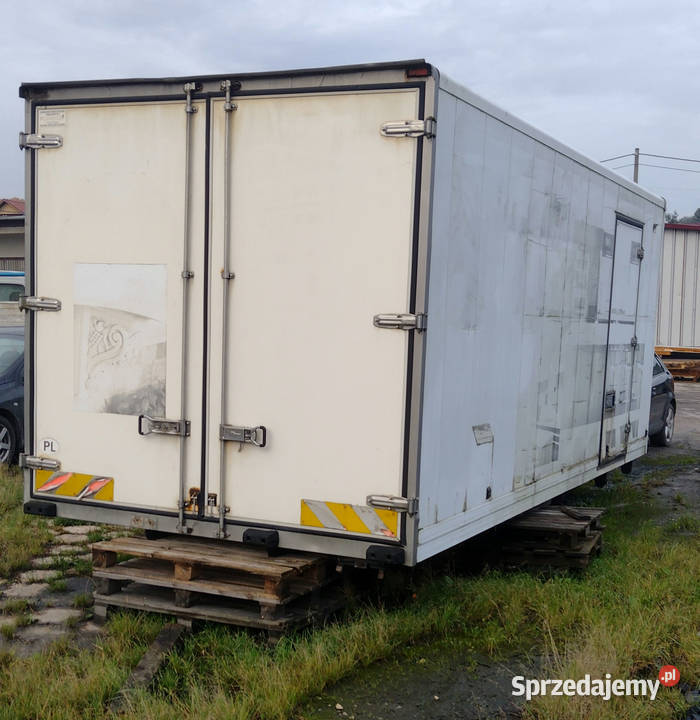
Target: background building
11	234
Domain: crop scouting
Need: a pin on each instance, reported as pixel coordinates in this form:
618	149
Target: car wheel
8	441
665	435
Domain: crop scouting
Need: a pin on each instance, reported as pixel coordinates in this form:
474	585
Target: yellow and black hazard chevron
353	518
76	485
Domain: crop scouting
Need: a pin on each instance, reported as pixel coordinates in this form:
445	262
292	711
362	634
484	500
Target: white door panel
109	245
321	237
622	423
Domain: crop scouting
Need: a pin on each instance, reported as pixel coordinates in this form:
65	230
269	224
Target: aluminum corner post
425	169
29	289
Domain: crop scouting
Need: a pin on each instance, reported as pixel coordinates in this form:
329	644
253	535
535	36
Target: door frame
603	460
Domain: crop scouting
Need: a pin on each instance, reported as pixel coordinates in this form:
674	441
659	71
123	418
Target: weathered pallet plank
229	556
211	582
152	599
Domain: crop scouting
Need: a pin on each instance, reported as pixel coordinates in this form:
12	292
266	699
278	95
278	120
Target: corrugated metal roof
682	226
11	206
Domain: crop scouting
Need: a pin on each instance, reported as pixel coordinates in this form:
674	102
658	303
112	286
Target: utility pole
636	165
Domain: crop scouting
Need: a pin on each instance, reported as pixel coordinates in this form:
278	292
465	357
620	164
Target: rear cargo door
621	423
109	245
320	237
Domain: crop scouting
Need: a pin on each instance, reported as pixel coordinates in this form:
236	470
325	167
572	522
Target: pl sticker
48	445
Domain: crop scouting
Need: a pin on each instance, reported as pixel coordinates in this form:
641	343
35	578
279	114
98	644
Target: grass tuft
14	607
82	600
58	584
22	537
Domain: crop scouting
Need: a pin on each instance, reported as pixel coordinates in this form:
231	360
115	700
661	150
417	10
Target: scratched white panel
526	355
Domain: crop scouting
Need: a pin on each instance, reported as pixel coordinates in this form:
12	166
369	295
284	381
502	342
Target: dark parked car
662	413
11	392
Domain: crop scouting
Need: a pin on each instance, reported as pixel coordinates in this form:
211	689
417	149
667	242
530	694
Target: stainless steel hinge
634	342
35	141
640	252
188	89
628	428
393	502
29	302
410	128
34	462
254	435
401	321
160	426
226	86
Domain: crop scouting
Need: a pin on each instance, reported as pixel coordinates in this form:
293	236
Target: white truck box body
223	269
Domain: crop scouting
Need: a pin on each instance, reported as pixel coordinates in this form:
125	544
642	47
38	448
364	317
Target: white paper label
49	118
483	434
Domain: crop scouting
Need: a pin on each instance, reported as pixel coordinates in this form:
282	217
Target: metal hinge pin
189	88
401	321
410	128
32	303
36	141
393	502
228	105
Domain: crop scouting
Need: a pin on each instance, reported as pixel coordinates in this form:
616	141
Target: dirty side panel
519	297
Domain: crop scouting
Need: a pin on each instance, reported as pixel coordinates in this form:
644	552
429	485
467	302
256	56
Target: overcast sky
602	77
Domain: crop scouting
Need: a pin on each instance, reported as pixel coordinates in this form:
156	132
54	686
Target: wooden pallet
224	582
554	535
683	369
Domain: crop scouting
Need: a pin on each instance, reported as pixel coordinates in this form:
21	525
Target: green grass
685	523
58	584
636	608
95	536
82	600
15	607
81	567
21	536
66	522
669	460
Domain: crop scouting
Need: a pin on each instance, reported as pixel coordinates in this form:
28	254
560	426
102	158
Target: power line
670	157
662	167
618	157
663	157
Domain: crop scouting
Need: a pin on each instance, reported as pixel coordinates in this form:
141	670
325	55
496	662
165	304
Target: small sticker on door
48	445
51	118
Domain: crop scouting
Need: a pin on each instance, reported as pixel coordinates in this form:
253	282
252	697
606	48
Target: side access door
621	423
115	322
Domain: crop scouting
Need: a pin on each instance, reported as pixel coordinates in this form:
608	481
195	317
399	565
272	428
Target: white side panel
109	244
519	290
679	294
321	241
